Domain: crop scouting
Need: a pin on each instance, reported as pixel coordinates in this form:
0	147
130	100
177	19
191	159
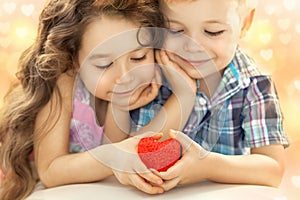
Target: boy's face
203	34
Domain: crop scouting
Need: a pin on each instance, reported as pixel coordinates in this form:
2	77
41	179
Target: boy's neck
209	84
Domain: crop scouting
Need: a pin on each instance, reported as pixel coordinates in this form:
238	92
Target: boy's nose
191	44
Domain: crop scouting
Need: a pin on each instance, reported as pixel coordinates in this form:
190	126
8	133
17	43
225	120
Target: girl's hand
178	79
150	92
123	159
192	167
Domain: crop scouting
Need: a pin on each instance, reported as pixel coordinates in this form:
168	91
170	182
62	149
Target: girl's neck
100	108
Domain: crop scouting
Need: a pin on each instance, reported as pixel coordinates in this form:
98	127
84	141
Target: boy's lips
197	62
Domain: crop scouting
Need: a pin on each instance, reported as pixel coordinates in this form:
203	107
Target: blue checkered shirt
243	113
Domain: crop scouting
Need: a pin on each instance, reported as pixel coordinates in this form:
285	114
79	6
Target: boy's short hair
243	9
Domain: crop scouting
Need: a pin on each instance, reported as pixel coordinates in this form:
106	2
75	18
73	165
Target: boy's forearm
245	169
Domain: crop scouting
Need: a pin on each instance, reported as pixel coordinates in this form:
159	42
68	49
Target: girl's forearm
74	168
173	115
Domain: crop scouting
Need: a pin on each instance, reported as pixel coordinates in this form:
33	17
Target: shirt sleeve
263	120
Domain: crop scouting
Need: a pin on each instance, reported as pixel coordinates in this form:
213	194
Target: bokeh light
273	41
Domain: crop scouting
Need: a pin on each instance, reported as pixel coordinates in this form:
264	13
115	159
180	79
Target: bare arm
264	166
54	163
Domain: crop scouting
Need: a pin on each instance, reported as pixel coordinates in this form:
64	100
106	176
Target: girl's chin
147	95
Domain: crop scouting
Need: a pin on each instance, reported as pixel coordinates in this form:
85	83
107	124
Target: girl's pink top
85	133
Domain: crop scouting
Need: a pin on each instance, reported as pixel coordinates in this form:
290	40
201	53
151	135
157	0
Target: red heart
159	155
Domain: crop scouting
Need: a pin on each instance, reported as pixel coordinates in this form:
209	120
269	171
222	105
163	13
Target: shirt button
202	101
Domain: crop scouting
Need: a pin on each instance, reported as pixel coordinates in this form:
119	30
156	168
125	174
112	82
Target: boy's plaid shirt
243	113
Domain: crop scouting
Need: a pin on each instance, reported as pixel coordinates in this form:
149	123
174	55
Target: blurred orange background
273	41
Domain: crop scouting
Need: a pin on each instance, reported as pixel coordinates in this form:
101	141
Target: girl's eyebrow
96	56
174	21
106	55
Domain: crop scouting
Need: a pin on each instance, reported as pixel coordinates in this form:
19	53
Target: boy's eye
214	33
104	66
139	58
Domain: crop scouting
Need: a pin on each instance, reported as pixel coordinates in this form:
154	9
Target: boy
236	114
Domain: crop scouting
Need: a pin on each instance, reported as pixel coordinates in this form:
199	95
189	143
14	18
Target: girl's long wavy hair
61	26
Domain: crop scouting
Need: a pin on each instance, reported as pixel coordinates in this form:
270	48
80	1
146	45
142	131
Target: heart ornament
159	155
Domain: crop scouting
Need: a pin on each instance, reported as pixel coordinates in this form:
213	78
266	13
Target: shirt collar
237	76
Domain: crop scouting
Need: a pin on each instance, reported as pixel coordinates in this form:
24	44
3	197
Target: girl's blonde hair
61	26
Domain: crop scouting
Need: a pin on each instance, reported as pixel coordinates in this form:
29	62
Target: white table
112	189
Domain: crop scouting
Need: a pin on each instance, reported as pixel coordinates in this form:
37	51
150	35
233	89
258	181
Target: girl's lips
130	91
123	92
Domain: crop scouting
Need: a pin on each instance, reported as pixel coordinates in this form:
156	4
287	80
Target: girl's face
113	65
203	34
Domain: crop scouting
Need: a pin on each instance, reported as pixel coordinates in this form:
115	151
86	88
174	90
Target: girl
76	36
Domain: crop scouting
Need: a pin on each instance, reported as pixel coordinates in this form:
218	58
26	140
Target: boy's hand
192	167
178	79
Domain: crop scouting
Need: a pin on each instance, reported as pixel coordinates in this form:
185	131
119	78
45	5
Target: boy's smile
204	34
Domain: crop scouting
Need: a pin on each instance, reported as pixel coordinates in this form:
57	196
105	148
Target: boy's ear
248	19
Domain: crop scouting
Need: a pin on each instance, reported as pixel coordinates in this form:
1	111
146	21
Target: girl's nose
125	73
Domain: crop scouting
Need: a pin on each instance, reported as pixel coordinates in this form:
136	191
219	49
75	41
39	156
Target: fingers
152	178
184	140
140	183
163	59
170	177
157	56
157	79
187	143
168	185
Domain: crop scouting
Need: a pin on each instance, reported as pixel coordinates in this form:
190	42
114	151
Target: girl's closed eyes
136	59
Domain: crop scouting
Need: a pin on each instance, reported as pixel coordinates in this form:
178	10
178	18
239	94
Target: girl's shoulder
65	83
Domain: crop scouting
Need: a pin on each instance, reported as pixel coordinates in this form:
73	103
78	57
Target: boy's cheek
174	44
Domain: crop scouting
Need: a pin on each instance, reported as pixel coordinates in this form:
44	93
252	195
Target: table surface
112	189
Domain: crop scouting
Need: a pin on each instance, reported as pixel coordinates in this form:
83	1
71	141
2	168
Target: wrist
184	89
210	163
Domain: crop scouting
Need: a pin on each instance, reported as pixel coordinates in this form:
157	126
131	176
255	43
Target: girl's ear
248	19
76	65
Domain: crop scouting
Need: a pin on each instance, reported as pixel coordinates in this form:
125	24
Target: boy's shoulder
246	65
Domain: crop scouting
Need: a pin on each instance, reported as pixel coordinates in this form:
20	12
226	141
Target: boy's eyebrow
212	21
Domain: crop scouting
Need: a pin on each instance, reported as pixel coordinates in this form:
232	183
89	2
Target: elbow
46	180
276	175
